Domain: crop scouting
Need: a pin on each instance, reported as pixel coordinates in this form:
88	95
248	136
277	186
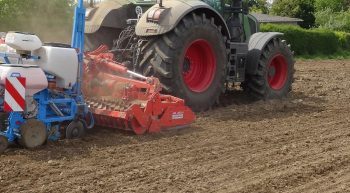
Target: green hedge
313	41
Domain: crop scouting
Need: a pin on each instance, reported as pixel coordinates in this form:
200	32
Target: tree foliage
328	19
333	14
303	9
333	5
259	6
50	19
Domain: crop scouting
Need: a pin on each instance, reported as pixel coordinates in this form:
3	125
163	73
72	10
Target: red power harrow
123	99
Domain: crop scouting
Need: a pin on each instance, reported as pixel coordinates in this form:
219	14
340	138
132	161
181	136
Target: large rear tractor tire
190	61
274	76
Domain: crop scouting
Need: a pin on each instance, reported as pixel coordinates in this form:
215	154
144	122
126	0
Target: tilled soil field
300	144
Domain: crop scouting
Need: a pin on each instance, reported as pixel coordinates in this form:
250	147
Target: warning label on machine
177	115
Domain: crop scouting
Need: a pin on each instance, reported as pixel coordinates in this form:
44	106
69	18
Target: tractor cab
240	23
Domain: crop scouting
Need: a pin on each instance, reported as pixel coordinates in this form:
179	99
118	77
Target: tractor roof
264	18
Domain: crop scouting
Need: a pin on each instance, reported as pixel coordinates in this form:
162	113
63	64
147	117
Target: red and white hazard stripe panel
15	94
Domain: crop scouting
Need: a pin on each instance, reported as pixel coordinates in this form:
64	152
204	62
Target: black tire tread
256	85
165	51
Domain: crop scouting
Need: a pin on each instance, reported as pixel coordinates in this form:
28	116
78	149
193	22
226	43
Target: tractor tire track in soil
299	144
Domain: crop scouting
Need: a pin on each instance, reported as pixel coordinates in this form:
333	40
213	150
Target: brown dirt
301	144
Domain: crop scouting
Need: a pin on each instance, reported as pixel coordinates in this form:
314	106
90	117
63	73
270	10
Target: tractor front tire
274	76
190	61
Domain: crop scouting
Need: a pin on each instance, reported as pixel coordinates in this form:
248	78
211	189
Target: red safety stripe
14	93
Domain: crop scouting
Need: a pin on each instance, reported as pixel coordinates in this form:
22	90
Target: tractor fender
172	13
256	44
111	14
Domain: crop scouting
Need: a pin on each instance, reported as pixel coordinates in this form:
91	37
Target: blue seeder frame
54	108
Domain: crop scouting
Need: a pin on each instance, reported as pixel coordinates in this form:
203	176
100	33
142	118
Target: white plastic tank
22	41
61	62
36	80
3	47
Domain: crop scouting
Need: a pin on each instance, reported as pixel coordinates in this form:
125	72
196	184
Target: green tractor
197	49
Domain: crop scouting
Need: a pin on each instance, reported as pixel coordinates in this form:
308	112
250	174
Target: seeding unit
51	93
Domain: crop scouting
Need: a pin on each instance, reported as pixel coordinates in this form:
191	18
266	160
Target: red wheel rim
199	65
277	72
